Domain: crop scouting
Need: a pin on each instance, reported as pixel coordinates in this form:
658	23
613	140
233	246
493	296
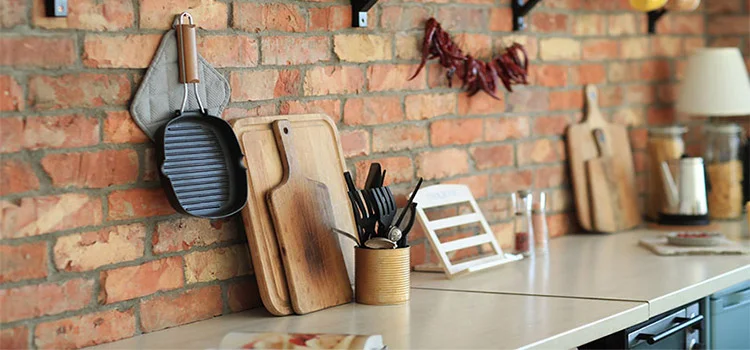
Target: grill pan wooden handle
187	50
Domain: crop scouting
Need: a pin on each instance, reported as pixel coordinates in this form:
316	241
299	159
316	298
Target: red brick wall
90	250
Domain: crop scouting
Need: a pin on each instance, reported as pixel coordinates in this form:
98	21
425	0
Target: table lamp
716	84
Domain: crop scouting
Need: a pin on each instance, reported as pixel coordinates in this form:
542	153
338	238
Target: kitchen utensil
321	158
361	215
385	196
405	229
160	92
373	176
394	234
372	212
380	243
382	276
606	211
685	185
582	147
200	159
347	235
695	239
303	220
409	202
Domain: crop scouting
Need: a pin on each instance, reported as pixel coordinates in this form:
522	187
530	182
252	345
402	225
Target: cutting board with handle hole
303	220
582	147
317	139
603	173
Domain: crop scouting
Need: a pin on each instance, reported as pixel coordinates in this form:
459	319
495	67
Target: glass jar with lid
723	144
665	143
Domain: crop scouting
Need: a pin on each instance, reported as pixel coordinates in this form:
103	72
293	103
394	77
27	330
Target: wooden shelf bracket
520	9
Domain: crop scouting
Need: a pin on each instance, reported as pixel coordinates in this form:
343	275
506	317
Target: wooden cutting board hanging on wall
582	147
317	134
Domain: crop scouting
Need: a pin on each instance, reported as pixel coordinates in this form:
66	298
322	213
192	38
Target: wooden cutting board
315	134
582	147
303	219
602	178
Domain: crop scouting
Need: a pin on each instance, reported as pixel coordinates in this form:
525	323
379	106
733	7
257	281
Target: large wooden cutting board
303	219
317	136
582	147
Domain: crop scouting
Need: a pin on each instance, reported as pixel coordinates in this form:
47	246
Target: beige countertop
611	267
431	320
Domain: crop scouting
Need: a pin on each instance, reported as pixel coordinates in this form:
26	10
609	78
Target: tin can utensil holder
382	276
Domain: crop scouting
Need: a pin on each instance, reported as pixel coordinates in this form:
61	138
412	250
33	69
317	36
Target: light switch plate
57	8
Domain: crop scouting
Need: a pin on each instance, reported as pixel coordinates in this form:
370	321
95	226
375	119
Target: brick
527	100
407	47
80	90
633	48
723	7
420	107
86	330
259	109
11	134
588	25
400	169
44	299
553	125
401	18
623	24
501	19
455	132
565	100
476	45
185	233
540	151
454	19
389	77
13	14
229	50
33	51
16	176
690	23
355	143
440	164
555	49
373	110
217	264
60	132
90	250
33	216
138	203
665	46
668	93
640	94
477	184
362	47
150	171
159	14
174	310
331	108
285	50
510	181
92	169
119	127
550	176
544	22
655	70
549	75
243	295
11	94
17	337
660	116
729	25
629	116
130	282
611	96
623	71
398	138
333	80
330	18
120	51
91	15
589	74
479	104
638	138
493	156
505	128
255	17
264	84
22	262
600	49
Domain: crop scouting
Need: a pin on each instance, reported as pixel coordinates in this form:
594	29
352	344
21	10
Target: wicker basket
382	276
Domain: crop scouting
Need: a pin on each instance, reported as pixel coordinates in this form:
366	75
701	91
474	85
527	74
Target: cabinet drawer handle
682	323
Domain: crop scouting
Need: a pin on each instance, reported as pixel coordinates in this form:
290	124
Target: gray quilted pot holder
160	95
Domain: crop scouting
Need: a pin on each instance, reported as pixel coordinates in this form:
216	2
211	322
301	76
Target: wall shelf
520	9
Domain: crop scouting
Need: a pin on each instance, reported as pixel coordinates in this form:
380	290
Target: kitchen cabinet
728	311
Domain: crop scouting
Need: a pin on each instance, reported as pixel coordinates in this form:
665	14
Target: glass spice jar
665	143
524	229
724	170
539	224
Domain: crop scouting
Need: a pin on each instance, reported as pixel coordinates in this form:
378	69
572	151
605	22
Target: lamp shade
716	84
